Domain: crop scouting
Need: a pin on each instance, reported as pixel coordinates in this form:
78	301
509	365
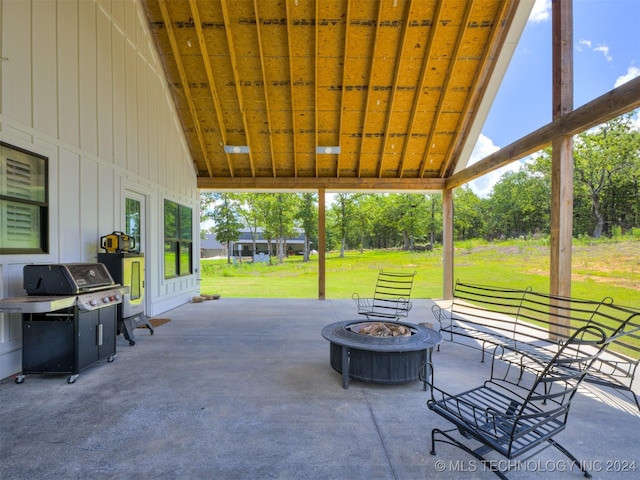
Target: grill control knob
117	298
93	302
105	299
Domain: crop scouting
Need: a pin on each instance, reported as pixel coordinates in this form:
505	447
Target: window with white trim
23	201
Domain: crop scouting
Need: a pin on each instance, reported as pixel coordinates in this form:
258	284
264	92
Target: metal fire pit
385	360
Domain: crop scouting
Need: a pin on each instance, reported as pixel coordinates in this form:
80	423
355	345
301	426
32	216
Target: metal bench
615	368
517	414
528	328
484	313
391	298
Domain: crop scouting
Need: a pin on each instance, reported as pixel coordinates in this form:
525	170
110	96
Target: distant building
294	246
211	247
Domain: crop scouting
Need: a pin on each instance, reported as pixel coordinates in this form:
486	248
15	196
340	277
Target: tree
207	201
519	204
363	220
434	217
411	219
603	157
308	216
468	213
343	212
280	209
383	222
227	225
251	214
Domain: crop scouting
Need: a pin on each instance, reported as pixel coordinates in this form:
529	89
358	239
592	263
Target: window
178	240
24	212
133	221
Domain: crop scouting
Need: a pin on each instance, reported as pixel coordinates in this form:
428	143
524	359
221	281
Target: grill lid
66	278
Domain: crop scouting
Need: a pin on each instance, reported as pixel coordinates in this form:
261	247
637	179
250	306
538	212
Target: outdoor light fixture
329	150
236	149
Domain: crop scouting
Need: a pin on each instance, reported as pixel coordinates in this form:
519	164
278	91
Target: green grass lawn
600	269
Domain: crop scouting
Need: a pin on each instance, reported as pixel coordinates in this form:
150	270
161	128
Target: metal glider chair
519	415
391	299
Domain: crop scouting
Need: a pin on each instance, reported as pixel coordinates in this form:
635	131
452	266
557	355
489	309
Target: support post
321	244
562	157
447	244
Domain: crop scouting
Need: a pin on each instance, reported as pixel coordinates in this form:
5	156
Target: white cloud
632	72
483	185
583	43
588	45
541	11
605	51
483	148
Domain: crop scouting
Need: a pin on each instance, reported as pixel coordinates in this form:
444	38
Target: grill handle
99	334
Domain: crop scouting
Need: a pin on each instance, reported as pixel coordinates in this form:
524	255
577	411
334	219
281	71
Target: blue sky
606	54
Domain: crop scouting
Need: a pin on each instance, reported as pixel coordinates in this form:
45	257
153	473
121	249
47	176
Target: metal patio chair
518	415
391	298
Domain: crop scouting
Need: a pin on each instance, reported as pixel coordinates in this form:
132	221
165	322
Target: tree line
606	202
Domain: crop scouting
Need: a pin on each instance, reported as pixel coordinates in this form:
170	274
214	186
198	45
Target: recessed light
236	149
328	150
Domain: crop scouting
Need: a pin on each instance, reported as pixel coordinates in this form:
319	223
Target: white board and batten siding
82	84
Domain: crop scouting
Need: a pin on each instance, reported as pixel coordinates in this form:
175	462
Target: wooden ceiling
394	84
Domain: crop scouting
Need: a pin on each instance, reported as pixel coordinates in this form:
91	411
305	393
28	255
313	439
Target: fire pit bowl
379	359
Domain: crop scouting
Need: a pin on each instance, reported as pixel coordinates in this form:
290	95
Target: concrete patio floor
243	389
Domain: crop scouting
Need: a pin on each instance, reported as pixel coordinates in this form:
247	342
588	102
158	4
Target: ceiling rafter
291	82
234	63
344	81
394	89
272	75
484	70
447	80
185	81
369	89
195	14
435	26
264	89
315	86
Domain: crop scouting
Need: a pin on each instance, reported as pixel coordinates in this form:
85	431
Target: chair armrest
443	316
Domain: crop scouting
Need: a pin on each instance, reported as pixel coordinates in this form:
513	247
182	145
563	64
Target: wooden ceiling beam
184	80
478	86
315	85
612	104
204	51
313	183
344	81
435	26
445	86
291	82
264	89
236	78
394	89
368	97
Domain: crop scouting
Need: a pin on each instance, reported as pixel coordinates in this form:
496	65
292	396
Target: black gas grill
66	279
68	317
